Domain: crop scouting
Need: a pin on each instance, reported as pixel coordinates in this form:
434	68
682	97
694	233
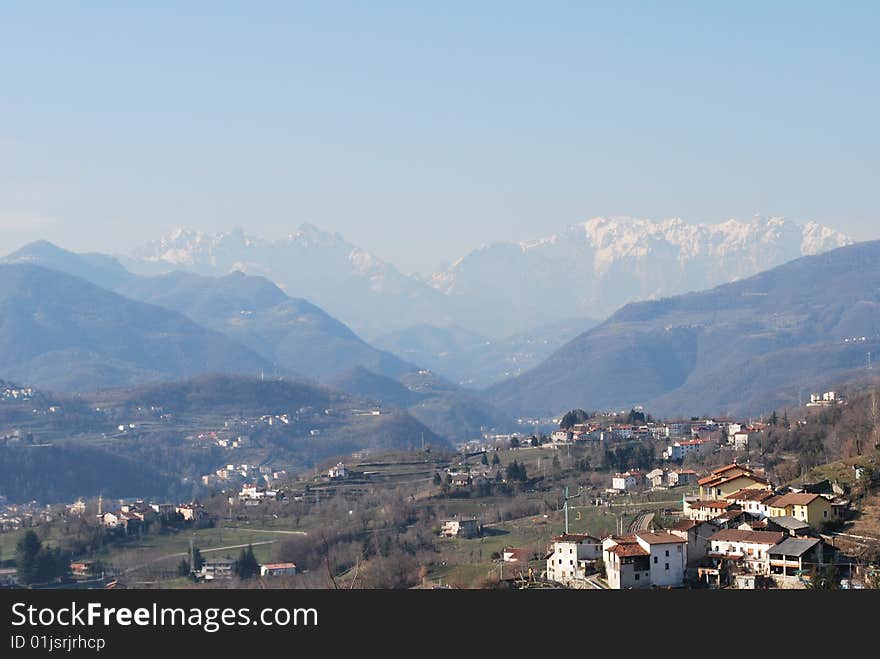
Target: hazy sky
421	132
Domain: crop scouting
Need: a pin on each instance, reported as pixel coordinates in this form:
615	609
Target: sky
421	131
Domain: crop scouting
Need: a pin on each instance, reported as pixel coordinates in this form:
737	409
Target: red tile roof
629	549
574	537
749	494
793	499
721	480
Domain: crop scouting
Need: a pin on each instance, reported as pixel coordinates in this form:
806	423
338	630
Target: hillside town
739	530
728	526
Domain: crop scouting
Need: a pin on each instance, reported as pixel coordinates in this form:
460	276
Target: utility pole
565	505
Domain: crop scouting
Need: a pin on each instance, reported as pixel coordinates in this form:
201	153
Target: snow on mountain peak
599	264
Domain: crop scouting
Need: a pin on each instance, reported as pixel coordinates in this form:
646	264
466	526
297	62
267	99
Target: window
667	566
667	553
560	561
825	514
655	560
637	576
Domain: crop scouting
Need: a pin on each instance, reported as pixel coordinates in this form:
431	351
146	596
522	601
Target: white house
339	471
460	528
679	450
569	555
655	477
752	501
628	480
681	477
740	441
747	549
163	509
217	568
561	436
277	569
645	559
251	491
191	511
699	509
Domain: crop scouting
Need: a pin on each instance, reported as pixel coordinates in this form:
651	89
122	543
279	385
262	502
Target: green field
157	556
48	533
465	563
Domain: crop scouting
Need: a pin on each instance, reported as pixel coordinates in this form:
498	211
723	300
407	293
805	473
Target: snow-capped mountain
589	269
370	294
595	267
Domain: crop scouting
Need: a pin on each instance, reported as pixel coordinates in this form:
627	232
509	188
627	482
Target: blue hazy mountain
744	347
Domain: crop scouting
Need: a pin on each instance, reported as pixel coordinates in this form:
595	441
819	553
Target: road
244	528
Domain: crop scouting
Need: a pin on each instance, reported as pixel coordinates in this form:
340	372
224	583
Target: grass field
466	562
158	555
48	533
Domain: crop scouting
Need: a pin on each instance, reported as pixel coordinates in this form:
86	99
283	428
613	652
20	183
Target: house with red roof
645	559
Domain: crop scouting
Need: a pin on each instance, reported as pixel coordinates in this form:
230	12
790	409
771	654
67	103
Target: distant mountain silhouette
476	361
64	333
292	335
745	347
449	410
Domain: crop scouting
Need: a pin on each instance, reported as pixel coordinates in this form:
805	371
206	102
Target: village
726	527
738	531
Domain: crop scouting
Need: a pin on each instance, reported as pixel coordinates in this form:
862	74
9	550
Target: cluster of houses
460	527
636	480
221	438
337	472
224	568
15	436
685	437
17	516
232	473
11	392
133	516
739	531
826	399
707	437
253	494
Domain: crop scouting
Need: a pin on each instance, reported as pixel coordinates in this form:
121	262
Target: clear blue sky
421	132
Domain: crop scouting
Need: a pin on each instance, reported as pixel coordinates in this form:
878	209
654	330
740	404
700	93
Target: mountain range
235	323
293	336
588	270
745	347
720	350
62	332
